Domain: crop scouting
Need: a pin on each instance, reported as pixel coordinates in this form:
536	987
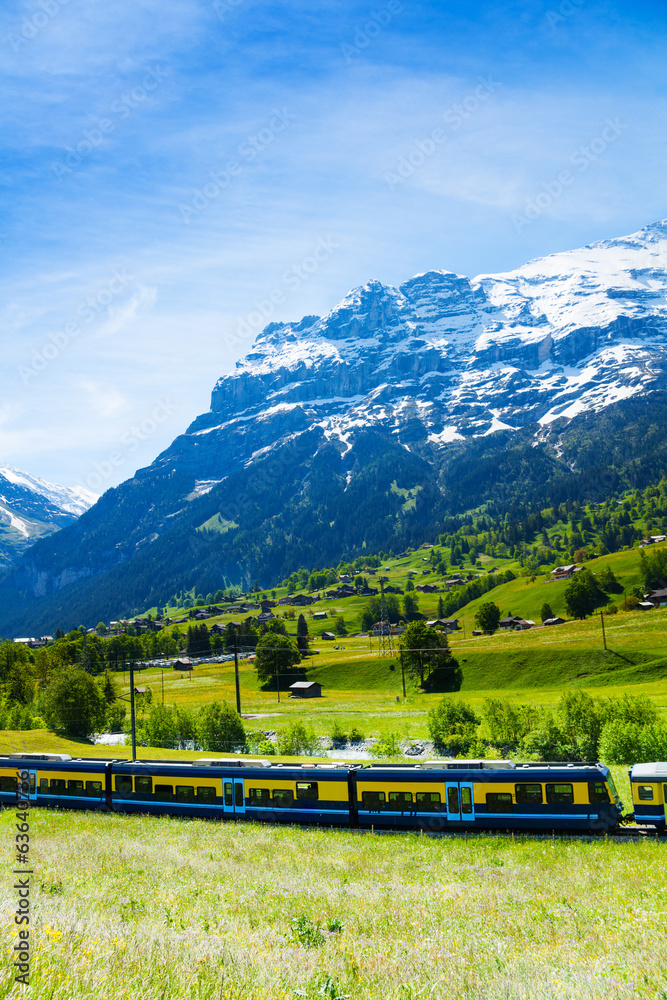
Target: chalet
392	590
305	689
140	690
201	616
213	610
344	578
329	636
265	617
301	600
646	605
565	572
444	624
426	545
218	629
320	615
267	605
652	540
426	588
455	581
554	621
658	598
183	664
515	624
381	628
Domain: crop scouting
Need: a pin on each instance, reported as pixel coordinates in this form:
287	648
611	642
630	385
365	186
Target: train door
32	785
664	799
460	801
233	795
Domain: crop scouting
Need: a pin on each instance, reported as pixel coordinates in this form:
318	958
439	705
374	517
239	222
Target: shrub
387	745
297	741
506	722
356	736
451	716
633	743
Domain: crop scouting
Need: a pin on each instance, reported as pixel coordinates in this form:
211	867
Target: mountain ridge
458	390
31	508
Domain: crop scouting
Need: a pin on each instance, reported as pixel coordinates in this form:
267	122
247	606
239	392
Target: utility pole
403	674
278	679
134	732
236	673
604	637
163	687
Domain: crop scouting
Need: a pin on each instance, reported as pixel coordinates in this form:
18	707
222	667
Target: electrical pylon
385	639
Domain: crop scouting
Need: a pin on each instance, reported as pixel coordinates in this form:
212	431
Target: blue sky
165	164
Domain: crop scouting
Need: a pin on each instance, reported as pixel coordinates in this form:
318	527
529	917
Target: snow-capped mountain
444	358
31	508
361	430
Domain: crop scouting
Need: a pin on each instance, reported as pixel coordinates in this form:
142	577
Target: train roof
649	772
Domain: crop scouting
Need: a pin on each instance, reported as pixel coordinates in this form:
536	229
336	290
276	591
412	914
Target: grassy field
154	909
361	690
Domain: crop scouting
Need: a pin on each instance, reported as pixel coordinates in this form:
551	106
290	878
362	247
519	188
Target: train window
238	794
32	782
645	793
560	795
143	784
530	792
124	783
94	788
58	786
428	801
8	784
306	790
229	793
372	801
400	800
283	797
597	792
259	796
185	793
453	805
44	786
466	800
75	787
205	793
164	793
498	802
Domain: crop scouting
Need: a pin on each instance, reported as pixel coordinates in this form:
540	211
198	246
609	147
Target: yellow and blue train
433	796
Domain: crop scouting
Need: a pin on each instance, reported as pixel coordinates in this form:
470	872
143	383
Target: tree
441	608
74	702
108	687
409	585
582	595
606	581
302	635
410	606
276	656
546	613
339	626
452	717
488	617
219	728
426	652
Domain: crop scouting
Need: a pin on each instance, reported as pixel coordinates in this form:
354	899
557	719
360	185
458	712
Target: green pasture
148	907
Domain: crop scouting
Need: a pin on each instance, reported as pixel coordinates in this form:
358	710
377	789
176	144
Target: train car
434	796
488	795
55	779
649	794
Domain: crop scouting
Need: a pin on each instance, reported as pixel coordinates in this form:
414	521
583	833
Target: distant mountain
31	508
362	429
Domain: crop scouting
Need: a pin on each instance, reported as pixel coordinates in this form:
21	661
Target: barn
305	689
